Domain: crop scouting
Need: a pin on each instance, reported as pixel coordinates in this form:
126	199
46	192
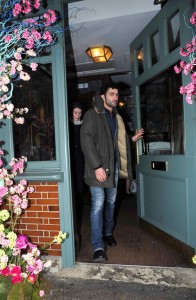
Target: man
106	150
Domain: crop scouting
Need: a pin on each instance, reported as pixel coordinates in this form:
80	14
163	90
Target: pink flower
193	77
33	66
36	34
16	279
30	44
7	38
177	69
47	36
23	182
17	9
32	278
22	241
41	293
16	270
37	4
50	17
183	52
193	18
3	191
5	272
19	120
17	56
24	76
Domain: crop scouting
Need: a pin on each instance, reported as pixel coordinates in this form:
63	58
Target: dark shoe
110	240
99	256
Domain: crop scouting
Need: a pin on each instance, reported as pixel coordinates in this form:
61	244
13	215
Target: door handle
138	182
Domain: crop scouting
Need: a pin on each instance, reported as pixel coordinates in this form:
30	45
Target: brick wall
41	220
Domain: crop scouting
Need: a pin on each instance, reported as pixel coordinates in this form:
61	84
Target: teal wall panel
164	207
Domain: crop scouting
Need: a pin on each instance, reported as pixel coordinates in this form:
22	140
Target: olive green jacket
98	146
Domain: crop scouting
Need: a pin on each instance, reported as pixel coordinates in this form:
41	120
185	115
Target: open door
166	156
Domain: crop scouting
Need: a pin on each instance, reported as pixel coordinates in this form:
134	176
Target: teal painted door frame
167	199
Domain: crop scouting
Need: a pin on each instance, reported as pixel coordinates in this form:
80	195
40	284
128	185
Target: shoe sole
99	259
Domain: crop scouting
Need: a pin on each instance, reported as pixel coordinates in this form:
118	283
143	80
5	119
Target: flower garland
188	67
21	39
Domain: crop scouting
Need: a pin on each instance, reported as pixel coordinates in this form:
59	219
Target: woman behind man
77	167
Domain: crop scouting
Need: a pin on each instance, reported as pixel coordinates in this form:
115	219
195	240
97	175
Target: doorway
134	245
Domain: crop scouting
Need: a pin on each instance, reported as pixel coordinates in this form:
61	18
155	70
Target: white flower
19	50
31	53
10	107
48	264
5	79
19	68
18	211
4	88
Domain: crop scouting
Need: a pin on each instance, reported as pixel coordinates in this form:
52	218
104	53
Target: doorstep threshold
152	275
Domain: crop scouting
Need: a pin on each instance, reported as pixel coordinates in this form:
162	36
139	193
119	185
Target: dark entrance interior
135	245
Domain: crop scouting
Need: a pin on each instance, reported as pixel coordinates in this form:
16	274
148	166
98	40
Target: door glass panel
35	139
173	26
162	114
140	60
155	48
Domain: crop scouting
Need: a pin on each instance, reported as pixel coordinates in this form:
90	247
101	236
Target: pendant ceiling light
99	53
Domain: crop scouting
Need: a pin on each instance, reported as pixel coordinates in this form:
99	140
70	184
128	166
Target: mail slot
159	165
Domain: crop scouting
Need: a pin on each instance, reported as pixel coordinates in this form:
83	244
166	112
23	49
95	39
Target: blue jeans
102	212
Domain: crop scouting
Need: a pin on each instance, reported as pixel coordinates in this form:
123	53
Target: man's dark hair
105	87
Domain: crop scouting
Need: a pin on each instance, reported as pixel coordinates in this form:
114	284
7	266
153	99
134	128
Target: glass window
162	114
35	139
173	26
140	60
155	48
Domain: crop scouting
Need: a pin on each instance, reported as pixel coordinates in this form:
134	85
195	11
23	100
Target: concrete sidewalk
99	281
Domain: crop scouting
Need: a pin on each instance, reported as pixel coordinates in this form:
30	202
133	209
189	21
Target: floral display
21	39
188	67
20	260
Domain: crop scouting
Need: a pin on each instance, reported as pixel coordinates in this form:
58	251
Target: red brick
54	221
53	208
32	227
47	188
31	214
32	233
47	227
32	201
53	195
35	208
51	215
34	195
32	220
48	201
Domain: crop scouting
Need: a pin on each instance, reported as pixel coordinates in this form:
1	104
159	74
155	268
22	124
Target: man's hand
100	174
138	135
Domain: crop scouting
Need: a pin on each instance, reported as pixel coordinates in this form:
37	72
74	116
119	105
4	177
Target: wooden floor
134	245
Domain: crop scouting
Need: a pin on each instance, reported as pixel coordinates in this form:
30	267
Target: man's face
111	98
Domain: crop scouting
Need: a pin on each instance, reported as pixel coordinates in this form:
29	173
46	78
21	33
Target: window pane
155	48
35	139
140	60
162	114
174	32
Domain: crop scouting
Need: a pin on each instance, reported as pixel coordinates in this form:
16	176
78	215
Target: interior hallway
134	245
